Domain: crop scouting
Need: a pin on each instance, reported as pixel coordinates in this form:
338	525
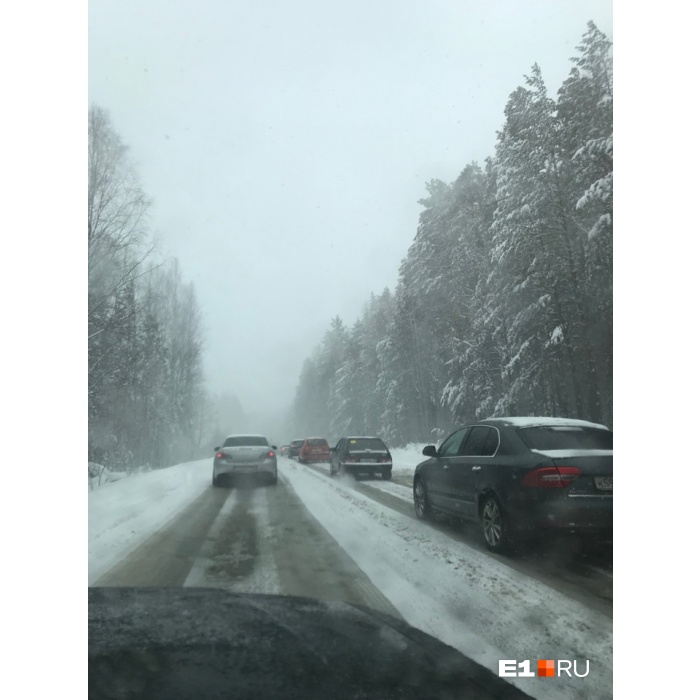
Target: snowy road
353	541
250	539
583	572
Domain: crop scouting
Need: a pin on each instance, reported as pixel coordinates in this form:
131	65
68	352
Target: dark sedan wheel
494	525
420	500
386	474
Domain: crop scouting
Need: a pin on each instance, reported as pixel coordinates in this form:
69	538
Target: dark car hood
171	643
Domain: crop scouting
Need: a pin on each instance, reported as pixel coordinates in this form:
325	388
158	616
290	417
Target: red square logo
545	668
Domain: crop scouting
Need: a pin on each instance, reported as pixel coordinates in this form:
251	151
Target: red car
314	450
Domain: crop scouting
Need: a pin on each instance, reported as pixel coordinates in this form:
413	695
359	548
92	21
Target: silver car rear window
245	441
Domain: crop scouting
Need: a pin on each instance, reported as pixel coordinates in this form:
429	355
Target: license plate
368	461
603	483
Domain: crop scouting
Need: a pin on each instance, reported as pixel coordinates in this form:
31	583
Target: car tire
272	481
494	525
421	502
215	481
386	474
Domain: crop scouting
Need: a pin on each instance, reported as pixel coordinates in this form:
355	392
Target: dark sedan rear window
548	437
245	441
374	444
317	441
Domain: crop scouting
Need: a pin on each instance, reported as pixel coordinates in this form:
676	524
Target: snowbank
406	459
99	475
122	516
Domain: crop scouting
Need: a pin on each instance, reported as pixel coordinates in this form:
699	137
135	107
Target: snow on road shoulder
127	512
463	597
405	493
406	459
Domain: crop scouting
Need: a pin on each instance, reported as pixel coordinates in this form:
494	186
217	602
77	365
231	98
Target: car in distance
314	449
250	455
519	477
284	450
294	446
361	455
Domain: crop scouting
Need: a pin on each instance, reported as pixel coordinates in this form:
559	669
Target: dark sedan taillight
385	459
550	477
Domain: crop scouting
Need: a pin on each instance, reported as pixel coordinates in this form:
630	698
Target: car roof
314	438
361	437
541	421
240	435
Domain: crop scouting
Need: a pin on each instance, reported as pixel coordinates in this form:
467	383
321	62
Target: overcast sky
286	145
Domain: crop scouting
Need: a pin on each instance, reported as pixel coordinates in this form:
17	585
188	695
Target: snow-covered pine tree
585	112
504	299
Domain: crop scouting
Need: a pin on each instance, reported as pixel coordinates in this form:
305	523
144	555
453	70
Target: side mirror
274	447
216	449
430	451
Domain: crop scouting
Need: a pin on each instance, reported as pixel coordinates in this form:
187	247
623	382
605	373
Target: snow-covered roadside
123	515
405	493
461	596
406	459
100	475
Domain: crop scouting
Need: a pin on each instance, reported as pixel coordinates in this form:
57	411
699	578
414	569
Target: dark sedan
361	455
519	477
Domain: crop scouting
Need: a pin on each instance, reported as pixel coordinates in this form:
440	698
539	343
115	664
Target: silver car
250	455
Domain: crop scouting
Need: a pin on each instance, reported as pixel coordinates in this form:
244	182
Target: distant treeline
504	300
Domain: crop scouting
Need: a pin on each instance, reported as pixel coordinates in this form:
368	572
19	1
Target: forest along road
248	539
582	571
